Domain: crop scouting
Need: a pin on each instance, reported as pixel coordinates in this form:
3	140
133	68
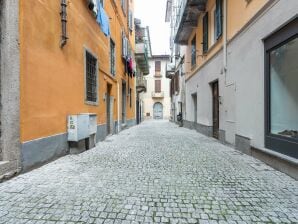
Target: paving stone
153	173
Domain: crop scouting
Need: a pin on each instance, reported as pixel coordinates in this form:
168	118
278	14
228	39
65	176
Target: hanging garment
129	66
102	19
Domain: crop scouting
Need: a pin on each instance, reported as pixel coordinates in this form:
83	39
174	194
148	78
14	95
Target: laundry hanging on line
103	19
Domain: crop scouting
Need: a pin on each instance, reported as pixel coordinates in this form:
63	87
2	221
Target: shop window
281	90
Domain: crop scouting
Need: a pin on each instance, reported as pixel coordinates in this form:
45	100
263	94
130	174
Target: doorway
123	102
158	111
215	109
110	109
195	107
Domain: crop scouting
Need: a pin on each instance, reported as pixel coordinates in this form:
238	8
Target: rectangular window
157	86
91	77
218	19
112	57
157	66
205	33
124	6
124	45
130	20
193	52
281	90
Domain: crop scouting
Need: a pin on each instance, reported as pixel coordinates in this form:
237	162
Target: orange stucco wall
52	79
239	13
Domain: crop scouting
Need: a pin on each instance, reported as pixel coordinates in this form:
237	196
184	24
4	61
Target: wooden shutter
218	18
205	33
194	51
157	66
157	86
177	82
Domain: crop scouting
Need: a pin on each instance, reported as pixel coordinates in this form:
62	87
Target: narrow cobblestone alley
152	173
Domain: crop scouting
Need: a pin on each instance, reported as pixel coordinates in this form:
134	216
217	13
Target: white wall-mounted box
92	124
78	127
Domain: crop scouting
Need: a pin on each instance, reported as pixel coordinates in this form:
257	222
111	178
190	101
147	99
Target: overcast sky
152	14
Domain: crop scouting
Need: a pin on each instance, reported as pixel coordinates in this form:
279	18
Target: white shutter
130	19
123	45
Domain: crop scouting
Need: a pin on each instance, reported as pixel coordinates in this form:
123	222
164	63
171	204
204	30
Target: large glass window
281	95
284	89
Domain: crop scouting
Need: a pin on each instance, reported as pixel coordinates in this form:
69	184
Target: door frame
124	101
109	113
157	103
215	108
194	97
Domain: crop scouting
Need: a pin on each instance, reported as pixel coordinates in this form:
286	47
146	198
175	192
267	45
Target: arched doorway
158	111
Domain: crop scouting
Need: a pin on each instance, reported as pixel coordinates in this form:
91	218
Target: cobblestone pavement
153	173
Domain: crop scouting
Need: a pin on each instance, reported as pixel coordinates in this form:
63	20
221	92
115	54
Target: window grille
112	57
91	78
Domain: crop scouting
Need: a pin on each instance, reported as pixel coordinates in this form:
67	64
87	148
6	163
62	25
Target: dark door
108	105
195	107
138	112
215	109
123	102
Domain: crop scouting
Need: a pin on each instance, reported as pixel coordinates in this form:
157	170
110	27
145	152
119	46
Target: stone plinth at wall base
7	170
242	144
283	163
77	147
201	128
82	145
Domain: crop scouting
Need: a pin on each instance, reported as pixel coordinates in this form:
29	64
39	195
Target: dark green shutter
218	18
205	33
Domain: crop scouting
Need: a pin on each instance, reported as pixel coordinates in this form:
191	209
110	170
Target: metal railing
179	15
160	94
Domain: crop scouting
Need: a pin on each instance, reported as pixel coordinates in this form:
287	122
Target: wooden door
215	109
158	111
108	106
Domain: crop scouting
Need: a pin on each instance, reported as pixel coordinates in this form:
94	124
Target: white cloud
152	14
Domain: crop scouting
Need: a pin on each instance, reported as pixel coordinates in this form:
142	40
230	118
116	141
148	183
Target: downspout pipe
118	105
225	42
63	15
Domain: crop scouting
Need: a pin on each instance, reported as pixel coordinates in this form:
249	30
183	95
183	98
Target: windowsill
110	76
213	46
90	103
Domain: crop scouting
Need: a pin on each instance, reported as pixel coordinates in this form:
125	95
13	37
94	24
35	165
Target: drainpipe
118	105
63	15
225	53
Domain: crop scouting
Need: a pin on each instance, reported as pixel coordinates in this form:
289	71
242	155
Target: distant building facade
142	55
240	74
157	102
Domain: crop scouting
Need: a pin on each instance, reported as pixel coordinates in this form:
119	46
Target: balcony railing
186	19
158	94
141	54
141	84
170	72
